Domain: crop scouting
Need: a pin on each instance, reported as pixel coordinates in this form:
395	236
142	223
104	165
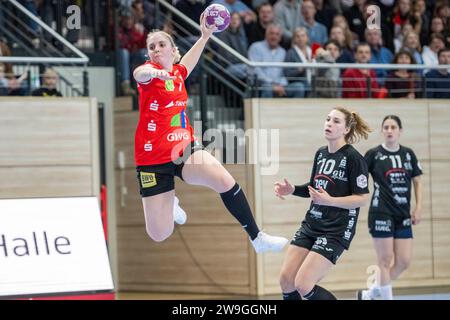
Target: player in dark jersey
165	146
393	168
338	188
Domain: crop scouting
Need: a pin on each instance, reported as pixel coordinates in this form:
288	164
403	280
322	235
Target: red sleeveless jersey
163	130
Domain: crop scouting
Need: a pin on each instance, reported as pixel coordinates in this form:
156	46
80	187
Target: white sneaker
264	242
179	216
363	295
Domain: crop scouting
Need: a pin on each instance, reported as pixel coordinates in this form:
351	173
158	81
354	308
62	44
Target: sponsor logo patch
148	179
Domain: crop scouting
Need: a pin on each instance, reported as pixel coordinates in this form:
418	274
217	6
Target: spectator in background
324	13
386	35
132	50
411	43
430	52
351	39
256	30
327	81
317	32
398	41
192	9
247	14
299	78
378	53
438	80
355	18
288	15
346	54
3	81
355	81
442	10
149	15
437	26
421	20
402	14
235	37
403	83
5	51
49	82
186	35
270	79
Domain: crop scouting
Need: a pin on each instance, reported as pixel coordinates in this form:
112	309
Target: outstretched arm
190	59
145	73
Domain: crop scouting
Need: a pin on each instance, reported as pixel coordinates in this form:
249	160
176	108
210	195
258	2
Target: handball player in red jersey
165	146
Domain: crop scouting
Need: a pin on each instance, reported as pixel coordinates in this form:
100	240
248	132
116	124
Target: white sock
386	292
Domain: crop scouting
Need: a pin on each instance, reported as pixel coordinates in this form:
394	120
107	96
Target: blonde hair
177	56
49	72
358	127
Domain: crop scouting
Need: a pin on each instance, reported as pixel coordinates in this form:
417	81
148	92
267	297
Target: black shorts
327	246
159	178
383	225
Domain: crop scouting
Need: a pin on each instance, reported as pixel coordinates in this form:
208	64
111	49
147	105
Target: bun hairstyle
358	126
177	56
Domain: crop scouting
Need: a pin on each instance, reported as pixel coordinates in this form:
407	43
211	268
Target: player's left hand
416	216
206	31
320	197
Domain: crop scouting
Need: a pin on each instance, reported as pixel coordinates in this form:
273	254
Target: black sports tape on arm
301	191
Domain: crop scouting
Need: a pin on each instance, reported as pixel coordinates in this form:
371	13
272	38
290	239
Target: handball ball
217	14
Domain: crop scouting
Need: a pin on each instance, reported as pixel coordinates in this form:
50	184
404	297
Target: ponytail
358	126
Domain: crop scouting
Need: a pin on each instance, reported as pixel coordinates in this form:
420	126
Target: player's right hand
161	74
283	189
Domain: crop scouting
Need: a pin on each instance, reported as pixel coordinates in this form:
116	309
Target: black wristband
301	191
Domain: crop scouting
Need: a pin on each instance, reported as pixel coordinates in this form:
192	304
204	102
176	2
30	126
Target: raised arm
190	59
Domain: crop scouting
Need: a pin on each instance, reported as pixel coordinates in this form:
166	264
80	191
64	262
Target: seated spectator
355	18
378	53
421	20
5	51
324	13
256	31
430	52
317	32
411	43
49	81
192	9
271	79
387	38
327	81
337	34
288	16
398	41
356	82
438	80
299	78
247	14
437	26
3	81
235	37
132	52
402	14
403	83
351	39
10	85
